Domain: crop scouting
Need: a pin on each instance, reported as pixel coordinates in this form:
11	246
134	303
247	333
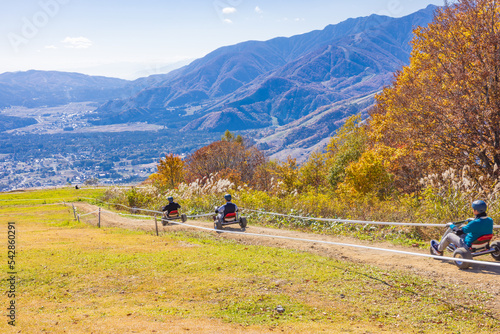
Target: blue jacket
476	228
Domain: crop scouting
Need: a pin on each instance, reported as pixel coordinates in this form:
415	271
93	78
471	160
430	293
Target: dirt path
478	277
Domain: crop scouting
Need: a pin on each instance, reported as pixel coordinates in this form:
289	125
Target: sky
130	39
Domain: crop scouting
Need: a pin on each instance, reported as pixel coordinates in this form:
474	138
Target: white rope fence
134	209
128	214
90	213
320	241
292	238
349	221
334	220
343	245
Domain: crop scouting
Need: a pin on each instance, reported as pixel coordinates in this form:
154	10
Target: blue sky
125	38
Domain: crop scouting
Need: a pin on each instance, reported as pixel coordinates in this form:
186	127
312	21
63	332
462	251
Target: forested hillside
430	147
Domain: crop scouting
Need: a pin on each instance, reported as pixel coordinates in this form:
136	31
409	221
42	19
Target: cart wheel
164	222
496	254
183	218
243	222
218	224
462	253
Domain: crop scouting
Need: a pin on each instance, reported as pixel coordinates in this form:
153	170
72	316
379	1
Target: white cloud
228	21
228	10
258	10
77	42
50	47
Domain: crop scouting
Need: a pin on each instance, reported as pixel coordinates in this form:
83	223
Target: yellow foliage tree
443	110
170	172
368	176
288	173
313	173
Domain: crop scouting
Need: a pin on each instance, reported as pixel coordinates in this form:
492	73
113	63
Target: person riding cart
470	240
171	212
228	214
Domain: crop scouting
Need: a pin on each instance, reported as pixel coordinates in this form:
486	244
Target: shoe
434	248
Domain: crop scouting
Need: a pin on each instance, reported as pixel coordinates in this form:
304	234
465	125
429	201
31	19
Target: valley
63	148
288	96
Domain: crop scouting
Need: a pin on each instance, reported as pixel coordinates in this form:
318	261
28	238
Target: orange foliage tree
443	110
170	172
229	157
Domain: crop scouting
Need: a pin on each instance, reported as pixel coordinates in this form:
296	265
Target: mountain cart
229	219
173	215
482	246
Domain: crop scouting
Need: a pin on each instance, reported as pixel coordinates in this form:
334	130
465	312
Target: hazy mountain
51	88
289	94
255	84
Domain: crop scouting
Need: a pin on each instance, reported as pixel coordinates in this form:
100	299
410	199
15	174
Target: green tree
229	137
345	147
313	173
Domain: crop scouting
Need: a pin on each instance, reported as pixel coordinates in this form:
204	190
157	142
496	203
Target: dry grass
74	278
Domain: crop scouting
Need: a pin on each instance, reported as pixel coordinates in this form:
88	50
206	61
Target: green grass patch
49	196
74	276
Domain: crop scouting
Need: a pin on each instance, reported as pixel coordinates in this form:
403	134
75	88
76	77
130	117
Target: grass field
76	278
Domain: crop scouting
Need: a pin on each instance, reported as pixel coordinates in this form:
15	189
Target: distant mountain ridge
253	85
51	88
288	93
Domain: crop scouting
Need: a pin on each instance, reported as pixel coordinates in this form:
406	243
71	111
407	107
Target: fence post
74	210
156	224
99	219
78	218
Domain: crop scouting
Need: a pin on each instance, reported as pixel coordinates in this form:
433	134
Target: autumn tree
313	173
443	110
345	147
230	158
368	176
263	176
170	171
288	172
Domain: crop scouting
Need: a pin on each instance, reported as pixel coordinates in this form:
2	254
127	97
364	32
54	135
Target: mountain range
290	93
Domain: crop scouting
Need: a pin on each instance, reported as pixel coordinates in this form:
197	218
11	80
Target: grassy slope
77	278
